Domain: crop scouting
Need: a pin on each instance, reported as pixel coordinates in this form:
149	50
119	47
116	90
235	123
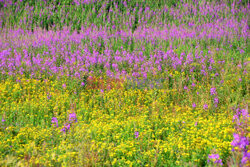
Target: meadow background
124	83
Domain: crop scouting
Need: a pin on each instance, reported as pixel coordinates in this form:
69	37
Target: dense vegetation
124	83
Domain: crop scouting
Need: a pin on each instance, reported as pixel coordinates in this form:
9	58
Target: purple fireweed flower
216	101
236	140
76	2
67	126
210	68
63	129
213	91
240	142
49	96
54	121
64	86
215	159
136	134
3	120
82	84
238	112
213	156
246	158
242	51
193	105
235	117
193	84
243	142
245	72
244	113
240	79
72	117
205	106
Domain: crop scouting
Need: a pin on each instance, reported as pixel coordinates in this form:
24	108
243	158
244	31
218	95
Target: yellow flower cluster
115	127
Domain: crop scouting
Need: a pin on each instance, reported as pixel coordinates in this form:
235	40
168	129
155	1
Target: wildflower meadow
124	83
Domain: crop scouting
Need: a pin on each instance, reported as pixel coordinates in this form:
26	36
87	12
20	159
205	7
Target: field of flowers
124	83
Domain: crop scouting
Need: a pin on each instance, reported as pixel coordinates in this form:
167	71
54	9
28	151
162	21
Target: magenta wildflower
242	51
239	141
210	67
49	96
54	121
236	140
235	118
136	134
63	129
216	101
244	113
193	105
205	106
213	156
215	159
213	91
72	117
246	158
67	126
